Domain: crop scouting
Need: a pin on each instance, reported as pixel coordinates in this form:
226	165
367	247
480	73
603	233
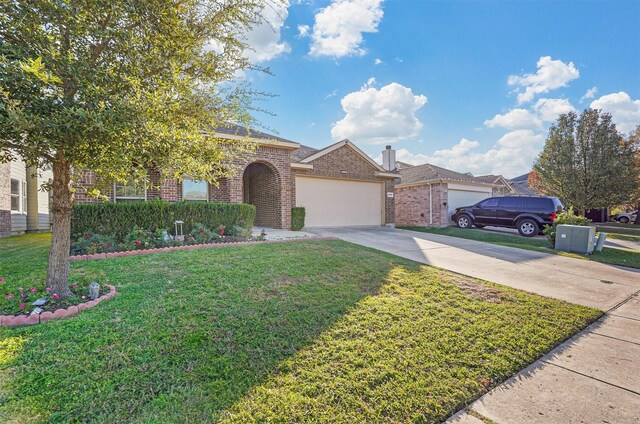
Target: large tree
587	162
116	86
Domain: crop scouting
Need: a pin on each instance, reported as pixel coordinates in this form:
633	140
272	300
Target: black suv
529	214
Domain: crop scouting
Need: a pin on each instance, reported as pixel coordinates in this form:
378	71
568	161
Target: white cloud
378	61
512	155
332	94
550	109
370	83
590	94
264	39
624	111
514	119
303	30
377	116
338	28
551	74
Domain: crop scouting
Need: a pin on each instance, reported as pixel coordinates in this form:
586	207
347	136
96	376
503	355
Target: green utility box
575	238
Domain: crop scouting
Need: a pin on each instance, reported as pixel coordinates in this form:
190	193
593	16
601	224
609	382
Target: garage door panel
339	202
459	198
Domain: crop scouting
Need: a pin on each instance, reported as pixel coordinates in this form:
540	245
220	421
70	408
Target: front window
15	195
195	190
130	191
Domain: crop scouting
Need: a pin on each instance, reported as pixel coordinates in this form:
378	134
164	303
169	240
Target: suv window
539	204
489	203
512	203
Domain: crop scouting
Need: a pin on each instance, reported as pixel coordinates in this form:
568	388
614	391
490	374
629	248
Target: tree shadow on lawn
307	331
188	334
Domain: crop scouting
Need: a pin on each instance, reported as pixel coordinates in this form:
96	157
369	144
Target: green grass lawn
608	255
299	332
618	228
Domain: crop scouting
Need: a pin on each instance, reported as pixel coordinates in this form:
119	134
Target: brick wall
344	162
412	205
277	160
5	199
262	189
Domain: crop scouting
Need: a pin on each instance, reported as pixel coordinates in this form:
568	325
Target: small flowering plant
17	298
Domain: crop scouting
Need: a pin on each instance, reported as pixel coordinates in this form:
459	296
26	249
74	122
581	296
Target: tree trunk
637	221
61	208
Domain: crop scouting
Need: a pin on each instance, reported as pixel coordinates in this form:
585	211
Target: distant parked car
625	217
529	214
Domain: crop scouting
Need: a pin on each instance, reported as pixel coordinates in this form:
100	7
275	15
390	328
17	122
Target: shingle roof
489	178
241	131
403	165
520	185
428	172
302	152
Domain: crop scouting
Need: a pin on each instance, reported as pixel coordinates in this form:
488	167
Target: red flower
10	296
33	290
75	286
55	296
87	236
2	280
138	242
108	245
48	289
23	295
22	306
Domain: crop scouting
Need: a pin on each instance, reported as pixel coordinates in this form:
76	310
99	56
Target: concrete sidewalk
592	378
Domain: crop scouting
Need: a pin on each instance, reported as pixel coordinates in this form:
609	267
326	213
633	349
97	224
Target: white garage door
338	203
458	198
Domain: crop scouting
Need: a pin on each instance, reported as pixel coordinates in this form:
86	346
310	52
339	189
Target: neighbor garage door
337	203
460	195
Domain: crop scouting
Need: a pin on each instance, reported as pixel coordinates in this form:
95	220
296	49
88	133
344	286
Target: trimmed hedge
297	218
118	219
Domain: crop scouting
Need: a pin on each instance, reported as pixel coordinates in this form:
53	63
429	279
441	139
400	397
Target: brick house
427	195
338	185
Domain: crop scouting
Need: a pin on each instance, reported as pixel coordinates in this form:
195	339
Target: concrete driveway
592	378
578	281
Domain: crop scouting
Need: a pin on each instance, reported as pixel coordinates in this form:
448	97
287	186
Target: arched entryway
261	188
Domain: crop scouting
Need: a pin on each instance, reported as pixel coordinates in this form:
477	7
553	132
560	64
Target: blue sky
469	85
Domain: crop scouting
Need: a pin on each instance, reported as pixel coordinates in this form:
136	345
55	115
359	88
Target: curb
18	320
188	247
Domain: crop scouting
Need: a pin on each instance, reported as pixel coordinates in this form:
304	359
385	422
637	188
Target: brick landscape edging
16	320
189	247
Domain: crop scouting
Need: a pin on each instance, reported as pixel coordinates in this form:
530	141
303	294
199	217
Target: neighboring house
501	186
338	185
520	185
24	206
427	195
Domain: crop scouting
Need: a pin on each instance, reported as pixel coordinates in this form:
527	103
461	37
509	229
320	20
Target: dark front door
509	209
485	212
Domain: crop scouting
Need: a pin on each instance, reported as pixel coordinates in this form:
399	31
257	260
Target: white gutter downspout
430	206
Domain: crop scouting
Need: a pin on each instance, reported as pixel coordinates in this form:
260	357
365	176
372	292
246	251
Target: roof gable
338	145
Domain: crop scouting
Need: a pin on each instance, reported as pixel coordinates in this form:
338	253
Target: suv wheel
623	220
528	228
464	221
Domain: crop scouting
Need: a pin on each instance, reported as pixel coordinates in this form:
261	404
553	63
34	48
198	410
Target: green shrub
90	243
568	218
297	218
140	238
201	234
119	219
